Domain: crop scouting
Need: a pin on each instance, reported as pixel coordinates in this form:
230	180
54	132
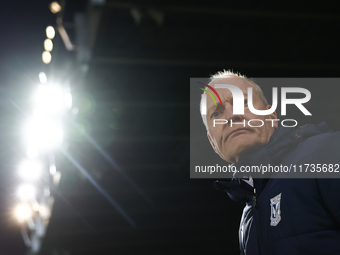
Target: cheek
265	133
216	131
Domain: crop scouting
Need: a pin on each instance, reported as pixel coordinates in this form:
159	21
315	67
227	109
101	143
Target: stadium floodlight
55	7
48	45
53	169
46	57
43	134
23	212
42	77
26	192
44	211
31	152
30	170
35	206
68	100
52	98
50	32
38	113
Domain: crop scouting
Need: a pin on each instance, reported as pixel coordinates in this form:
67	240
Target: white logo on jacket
275	215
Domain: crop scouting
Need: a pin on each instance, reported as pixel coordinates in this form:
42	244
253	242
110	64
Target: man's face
232	142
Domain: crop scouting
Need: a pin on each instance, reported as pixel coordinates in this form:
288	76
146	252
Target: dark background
133	100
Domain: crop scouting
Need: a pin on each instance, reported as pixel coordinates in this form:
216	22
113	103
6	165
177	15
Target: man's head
232	142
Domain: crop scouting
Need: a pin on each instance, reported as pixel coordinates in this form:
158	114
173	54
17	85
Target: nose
229	115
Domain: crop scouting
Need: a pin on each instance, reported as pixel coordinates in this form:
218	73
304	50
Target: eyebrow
213	107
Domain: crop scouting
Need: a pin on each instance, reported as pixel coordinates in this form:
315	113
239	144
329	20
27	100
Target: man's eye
216	114
245	101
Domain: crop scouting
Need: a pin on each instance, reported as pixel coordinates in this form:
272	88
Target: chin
240	152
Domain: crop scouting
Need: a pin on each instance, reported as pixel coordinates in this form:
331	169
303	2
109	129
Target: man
281	215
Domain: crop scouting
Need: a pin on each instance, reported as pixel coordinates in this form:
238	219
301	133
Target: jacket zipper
258	227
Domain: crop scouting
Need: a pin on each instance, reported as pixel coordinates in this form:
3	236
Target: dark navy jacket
304	214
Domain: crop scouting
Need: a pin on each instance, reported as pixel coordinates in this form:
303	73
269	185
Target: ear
212	143
273	116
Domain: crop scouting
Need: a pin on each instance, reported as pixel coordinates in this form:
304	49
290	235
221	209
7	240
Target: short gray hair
222	74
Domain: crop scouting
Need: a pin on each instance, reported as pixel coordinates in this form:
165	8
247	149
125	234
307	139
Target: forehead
239	82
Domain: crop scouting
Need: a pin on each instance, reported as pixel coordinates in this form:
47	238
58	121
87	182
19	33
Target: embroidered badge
275	216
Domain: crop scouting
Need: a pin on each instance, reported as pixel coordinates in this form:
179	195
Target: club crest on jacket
275	215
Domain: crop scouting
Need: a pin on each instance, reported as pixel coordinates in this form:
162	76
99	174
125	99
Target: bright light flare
23	212
68	100
38	113
32	152
43	134
30	170
52	98
48	45
50	32
55	7
53	169
46	57
26	192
